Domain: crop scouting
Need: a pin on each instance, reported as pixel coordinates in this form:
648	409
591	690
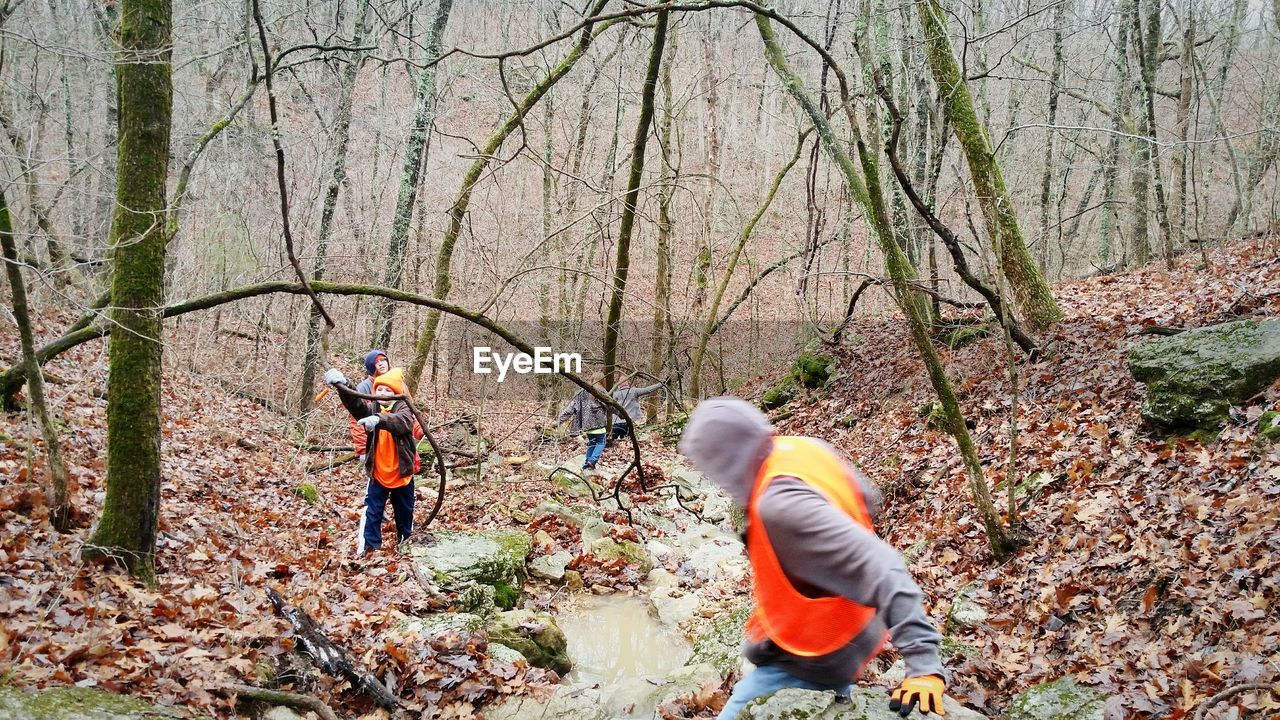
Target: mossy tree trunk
662	282
1051	135
424	111
865	187
60	503
1119	113
1028	284
126	532
1151	46
458	211
700	345
622	261
341	140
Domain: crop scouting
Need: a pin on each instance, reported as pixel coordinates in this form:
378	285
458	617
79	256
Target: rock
440	623
516	459
1269	426
964	335
1193	378
550	567
575	486
660	578
567	703
965	611
719	558
640	697
658	551
504	654
778	395
280	712
307	492
479	600
813	370
608	549
865	704
573	579
720	645
543	538
1061	699
534	635
78	704
490	557
593	529
673	606
896	673
575	516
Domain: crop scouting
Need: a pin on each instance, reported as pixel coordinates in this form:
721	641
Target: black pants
375	503
620	430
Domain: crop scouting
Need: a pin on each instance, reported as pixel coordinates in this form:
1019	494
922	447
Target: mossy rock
534	635
78	704
1195	377
307	492
1269	426
864	704
607	549
671	430
1061	699
575	485
964	335
490	557
933	415
778	395
813	370
720	645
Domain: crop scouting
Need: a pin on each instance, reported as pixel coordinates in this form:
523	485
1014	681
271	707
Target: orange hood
393	379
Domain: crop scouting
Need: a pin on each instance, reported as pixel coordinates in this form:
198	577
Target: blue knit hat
371	360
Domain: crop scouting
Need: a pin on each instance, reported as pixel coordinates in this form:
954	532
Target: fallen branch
1231	692
280	697
330	464
1162	330
331	659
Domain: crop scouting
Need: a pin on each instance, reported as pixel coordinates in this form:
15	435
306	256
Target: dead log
280	697
331	659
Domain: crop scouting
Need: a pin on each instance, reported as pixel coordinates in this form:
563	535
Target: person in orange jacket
390	455
376	362
827	591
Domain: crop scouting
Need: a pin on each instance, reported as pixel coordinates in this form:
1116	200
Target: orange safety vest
799	624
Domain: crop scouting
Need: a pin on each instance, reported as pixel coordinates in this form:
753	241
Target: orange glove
924	692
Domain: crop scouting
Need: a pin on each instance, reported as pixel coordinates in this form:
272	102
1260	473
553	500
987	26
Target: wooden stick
280	697
1230	692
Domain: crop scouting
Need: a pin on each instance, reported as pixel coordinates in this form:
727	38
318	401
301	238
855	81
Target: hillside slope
1152	570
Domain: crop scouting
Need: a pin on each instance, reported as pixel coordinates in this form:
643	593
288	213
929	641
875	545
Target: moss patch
1061	699
534	635
1269	426
307	492
78	704
720	645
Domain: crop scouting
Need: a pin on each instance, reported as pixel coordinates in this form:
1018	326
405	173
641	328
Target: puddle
613	639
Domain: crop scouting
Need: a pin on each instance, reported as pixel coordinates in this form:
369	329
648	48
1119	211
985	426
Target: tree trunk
1186	71
700	346
1051	135
1032	293
662	281
900	272
424	110
622	262
60	503
458	211
1111	156
337	174
126	532
1151	47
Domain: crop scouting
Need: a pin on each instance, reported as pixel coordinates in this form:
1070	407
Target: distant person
827	591
588	416
390	455
629	398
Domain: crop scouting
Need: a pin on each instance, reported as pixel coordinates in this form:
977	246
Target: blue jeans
595	446
375	503
766	680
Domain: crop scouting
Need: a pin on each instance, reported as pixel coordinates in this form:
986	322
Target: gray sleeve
641	392
818	544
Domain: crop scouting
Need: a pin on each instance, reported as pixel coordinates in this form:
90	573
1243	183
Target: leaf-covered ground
1150	573
1153	565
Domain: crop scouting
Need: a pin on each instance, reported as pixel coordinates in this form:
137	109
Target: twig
1231	691
280	697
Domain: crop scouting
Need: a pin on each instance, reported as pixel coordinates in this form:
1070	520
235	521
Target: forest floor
1150	573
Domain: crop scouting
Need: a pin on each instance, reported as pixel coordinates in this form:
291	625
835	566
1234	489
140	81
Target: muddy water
613	638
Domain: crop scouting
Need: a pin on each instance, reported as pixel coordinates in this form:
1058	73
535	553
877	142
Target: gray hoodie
629	396
822	551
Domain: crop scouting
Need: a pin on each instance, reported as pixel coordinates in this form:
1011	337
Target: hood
394	379
727	438
371	360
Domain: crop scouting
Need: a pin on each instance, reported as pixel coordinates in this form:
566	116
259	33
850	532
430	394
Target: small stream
613	639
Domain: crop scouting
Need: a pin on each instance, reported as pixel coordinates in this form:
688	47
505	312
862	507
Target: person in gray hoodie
824	554
629	398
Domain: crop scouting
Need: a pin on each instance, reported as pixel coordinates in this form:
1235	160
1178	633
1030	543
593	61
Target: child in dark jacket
390	456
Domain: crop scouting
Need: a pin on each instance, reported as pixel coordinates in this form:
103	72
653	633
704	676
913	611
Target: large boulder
1061	699
488	557
1194	377
720	645
534	635
565	703
78	704
865	704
